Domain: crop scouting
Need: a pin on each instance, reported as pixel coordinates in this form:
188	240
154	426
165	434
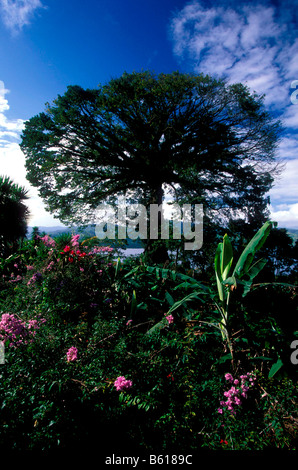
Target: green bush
151	326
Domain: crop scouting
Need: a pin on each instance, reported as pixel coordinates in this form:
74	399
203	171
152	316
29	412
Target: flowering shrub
36	277
235	394
122	384
115	317
16	331
72	354
48	241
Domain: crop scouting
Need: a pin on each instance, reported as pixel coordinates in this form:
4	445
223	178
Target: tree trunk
156	251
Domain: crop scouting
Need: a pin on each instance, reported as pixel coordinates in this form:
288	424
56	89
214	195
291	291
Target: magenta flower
232	395
170	319
36	277
229	377
122	384
72	354
48	241
16	331
74	240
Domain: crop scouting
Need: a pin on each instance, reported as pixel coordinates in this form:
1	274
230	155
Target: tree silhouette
13	213
196	137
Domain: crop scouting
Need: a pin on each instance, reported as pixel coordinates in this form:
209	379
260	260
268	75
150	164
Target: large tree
198	138
13	214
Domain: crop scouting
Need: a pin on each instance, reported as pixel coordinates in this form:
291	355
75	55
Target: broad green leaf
226	257
275	368
256	268
217	264
253	246
118	264
192	296
169	298
223	262
224	359
133	303
157	326
252	273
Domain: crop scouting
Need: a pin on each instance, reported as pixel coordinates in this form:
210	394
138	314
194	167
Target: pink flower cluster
238	391
15	279
34	278
170	319
75	240
100	249
72	354
122	384
47	241
16	331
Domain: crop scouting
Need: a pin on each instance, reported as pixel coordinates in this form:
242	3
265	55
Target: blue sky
46	45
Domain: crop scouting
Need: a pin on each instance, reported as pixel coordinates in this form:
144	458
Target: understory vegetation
118	354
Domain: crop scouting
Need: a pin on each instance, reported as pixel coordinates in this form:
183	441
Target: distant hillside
90	232
87	232
293	233
51	231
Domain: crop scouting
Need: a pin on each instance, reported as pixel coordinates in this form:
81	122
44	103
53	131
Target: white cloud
18	13
286	185
8	128
255	45
288	147
286	215
12	163
290	116
3	101
283	196
245	44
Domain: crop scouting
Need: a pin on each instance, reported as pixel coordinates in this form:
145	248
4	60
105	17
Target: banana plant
243	273
227	279
222	262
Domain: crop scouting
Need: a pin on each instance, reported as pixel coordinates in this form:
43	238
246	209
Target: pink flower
122	384
50	265
12	329
16	331
48	241
37	276
72	354
229	377
170	319
232	395
74	240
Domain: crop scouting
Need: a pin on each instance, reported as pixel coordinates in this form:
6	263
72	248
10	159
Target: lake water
131	252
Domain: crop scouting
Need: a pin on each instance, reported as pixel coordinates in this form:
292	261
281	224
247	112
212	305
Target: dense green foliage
159	329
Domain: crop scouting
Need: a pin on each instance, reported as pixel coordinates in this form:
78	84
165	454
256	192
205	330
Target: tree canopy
194	136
